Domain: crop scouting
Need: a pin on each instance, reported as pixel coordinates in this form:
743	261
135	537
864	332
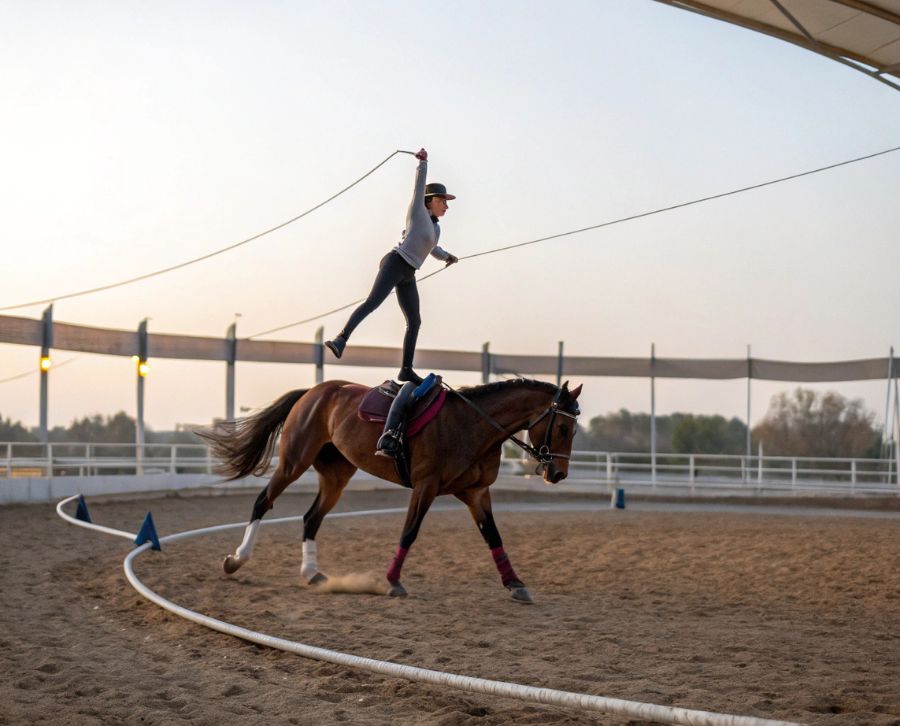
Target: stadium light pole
46	344
142	369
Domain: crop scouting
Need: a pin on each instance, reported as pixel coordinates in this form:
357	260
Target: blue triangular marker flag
147	533
82	512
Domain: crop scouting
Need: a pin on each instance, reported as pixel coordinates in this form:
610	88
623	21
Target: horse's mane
473	393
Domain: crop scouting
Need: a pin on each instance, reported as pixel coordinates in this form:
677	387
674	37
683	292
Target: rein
542	455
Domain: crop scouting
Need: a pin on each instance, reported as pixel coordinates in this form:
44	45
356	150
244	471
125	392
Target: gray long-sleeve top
421	236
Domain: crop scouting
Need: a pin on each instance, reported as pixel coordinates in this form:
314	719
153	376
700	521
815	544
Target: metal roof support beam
870	9
796	23
846	56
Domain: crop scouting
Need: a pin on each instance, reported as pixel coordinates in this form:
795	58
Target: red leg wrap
507	573
393	573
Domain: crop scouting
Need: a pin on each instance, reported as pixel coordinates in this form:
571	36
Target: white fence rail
693	472
720	471
78	459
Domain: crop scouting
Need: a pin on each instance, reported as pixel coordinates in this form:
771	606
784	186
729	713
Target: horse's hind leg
479	503
334	472
279	481
233	562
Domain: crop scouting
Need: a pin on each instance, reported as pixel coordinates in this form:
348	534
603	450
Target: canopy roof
863	34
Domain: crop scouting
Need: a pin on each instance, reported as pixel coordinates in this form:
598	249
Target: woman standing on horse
398	267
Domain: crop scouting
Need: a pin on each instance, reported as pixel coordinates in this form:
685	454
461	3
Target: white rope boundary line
546	696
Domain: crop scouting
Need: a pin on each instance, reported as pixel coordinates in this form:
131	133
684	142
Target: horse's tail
245	446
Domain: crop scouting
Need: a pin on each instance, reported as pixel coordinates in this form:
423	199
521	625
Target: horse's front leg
422	497
479	503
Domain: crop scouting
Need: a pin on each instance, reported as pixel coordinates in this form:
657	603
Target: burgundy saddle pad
377	402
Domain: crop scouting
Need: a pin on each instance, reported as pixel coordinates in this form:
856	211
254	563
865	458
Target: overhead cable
601	225
34	371
230	247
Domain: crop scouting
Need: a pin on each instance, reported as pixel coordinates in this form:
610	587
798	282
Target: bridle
543	455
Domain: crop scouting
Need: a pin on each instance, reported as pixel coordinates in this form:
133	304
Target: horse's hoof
397	591
232	564
317	579
521	594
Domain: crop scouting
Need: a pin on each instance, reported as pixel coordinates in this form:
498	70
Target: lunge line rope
505	248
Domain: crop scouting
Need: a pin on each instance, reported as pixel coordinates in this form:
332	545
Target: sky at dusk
135	136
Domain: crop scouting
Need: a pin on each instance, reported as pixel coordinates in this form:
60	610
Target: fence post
486	363
172	456
230	358
609	467
885	450
320	354
691	474
559	365
759	466
793	472
749	379
853	474
896	439
9	460
653	413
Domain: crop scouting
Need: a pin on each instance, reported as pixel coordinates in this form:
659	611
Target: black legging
393	272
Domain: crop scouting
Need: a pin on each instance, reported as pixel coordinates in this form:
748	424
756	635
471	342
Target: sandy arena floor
786	617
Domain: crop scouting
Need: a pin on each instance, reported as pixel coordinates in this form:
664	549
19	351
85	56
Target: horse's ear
565	386
575	393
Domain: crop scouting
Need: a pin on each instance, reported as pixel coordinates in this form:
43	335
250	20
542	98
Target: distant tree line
117	429
675	433
801	423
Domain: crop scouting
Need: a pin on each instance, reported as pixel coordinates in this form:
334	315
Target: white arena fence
589	470
751	474
24	459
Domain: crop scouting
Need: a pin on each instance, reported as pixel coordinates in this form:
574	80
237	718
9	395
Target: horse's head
552	433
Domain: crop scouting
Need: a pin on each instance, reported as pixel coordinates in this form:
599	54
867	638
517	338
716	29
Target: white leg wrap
242	554
310	563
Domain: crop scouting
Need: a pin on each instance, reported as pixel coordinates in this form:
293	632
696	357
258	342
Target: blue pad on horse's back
425	386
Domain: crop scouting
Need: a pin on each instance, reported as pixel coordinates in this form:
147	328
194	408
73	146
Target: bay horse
457	453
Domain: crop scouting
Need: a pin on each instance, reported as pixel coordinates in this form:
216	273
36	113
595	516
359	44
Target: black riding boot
408	374
391	442
337	345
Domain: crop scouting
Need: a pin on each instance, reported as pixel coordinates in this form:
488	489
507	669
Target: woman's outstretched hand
451	260
422	155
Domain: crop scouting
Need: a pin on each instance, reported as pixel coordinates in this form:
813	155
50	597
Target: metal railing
27	459
684	471
838	475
